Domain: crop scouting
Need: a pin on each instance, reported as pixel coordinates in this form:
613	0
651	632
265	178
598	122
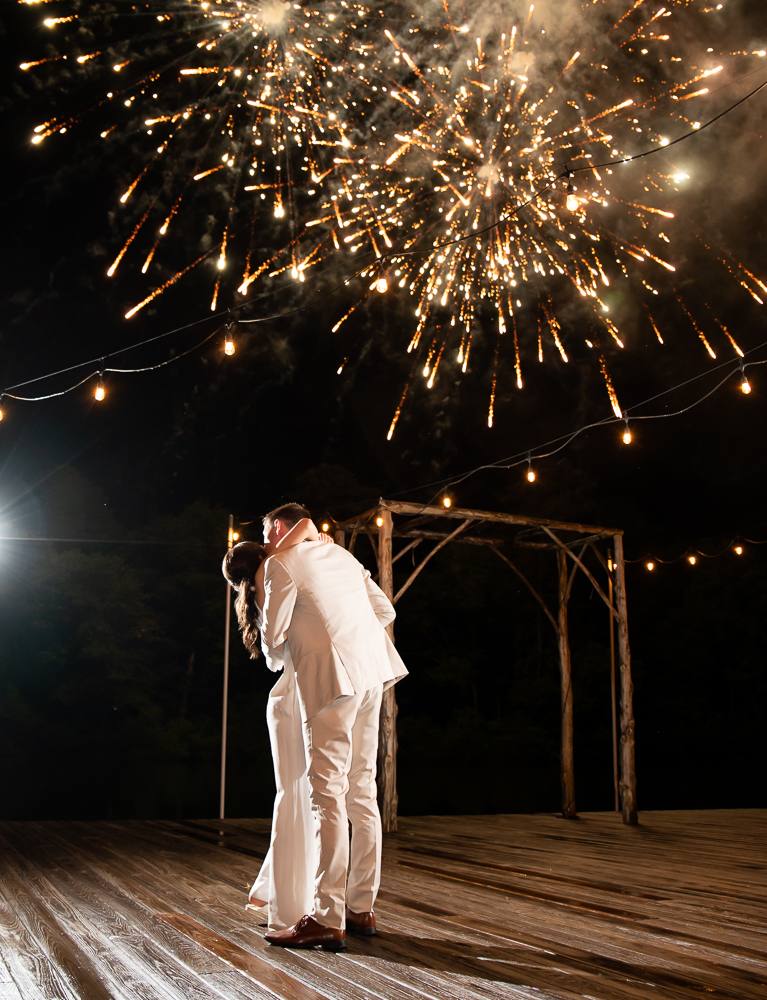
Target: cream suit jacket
321	600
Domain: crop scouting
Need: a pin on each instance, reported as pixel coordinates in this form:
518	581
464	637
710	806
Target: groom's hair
288	513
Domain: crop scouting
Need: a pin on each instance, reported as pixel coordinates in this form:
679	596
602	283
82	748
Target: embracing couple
322	622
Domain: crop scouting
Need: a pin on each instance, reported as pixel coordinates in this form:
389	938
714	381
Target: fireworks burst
435	141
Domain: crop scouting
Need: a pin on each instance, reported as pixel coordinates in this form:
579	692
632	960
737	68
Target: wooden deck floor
471	908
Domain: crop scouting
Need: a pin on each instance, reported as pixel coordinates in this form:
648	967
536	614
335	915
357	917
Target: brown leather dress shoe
308	933
361	923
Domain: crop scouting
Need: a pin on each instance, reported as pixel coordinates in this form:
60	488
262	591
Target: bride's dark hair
239	567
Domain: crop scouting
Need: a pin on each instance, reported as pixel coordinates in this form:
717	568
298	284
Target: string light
691	560
651	566
326	527
229	339
530	472
627	432
571	201
100	392
744	383
446	501
739	550
1	408
379	522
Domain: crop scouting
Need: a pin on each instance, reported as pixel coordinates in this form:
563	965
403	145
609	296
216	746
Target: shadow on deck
470	907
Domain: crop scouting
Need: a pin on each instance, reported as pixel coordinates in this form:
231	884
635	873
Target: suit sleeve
279	600
382	606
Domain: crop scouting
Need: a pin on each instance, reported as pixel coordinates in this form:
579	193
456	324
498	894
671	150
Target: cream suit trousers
342	747
286	878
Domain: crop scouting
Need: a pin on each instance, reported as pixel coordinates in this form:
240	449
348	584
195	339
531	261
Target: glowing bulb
530	473
738	548
1	413
229	346
235	536
744	384
691	560
382	285
326	527
447	502
572	203
651	566
627	436
379	522
100	392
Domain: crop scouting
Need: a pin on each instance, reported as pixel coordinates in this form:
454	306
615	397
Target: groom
324	604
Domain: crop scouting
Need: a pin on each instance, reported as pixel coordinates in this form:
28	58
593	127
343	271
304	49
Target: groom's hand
326	538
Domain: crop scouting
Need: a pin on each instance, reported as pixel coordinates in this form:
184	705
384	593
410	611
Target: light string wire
535	452
103	370
695	550
390	256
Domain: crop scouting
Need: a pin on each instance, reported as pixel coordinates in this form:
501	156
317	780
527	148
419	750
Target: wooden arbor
526	533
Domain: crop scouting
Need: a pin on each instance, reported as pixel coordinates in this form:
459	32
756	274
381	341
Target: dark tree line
110	679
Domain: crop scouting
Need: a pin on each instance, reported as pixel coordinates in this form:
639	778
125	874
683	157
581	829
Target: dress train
287	875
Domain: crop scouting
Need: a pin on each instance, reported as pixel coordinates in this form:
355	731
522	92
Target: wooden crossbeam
460	513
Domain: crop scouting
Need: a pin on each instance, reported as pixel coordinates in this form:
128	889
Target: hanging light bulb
446	501
530	473
571	201
326	527
379	522
382	285
235	536
1	408
100	392
744	383
739	550
627	432
691	560
229	338
651	566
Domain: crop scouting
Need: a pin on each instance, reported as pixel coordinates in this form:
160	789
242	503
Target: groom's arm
382	606
279	600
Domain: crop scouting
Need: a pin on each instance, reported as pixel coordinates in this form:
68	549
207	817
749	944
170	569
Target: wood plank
275	981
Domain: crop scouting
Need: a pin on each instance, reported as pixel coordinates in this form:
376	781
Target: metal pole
230	542
616	783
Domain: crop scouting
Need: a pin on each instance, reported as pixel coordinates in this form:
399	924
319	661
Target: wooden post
627	755
616	782
387	732
225	709
339	536
567	766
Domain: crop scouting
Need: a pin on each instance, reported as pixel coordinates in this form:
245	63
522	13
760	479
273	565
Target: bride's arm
303	531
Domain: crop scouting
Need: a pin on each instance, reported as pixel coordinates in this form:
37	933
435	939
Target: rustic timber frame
531	533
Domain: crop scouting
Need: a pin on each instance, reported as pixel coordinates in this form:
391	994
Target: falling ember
397	413
610	388
657	331
697	329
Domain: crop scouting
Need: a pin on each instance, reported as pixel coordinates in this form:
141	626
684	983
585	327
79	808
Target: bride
284	888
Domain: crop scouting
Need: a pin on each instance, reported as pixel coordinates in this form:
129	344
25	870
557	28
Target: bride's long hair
239	567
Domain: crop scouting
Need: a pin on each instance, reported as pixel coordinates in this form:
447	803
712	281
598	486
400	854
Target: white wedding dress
287	876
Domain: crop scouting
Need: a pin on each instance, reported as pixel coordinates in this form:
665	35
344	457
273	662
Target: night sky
172	452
